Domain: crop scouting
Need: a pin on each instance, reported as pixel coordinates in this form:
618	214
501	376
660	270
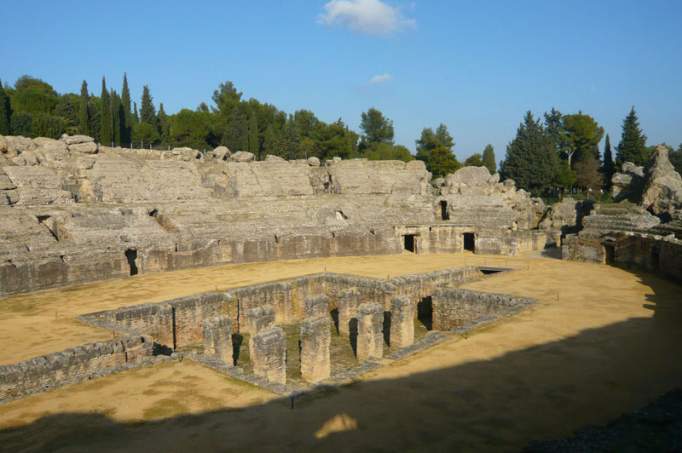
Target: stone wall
174	324
647	252
461	308
72	366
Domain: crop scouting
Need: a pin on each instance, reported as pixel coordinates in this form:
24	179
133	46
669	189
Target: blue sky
475	66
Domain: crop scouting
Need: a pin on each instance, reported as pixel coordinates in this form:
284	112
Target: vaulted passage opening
470	242
131	256
444	214
410	243
425	312
610	254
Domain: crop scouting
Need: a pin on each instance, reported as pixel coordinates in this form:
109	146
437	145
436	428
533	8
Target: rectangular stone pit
370	339
315	349
268	355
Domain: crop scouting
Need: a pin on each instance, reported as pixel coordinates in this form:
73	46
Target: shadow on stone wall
541	392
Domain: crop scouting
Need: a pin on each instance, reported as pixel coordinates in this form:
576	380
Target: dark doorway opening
353	335
610	254
444	213
131	256
470	242
655	258
387	328
410	243
425	312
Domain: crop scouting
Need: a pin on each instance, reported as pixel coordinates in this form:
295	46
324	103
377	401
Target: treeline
33	108
560	153
549	155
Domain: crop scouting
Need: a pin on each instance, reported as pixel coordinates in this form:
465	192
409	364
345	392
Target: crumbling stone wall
71	366
647	252
458	308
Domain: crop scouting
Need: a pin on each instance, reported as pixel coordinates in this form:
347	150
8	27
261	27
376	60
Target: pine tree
376	127
442	162
254	143
106	133
84	110
147	110
127	120
632	146
531	158
236	134
5	113
489	159
608	167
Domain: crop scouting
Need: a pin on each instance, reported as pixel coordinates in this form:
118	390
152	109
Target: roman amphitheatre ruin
184	300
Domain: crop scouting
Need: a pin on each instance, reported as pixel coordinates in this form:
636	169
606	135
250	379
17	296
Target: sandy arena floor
601	341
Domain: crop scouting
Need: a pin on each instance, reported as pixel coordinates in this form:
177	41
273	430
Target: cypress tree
84	110
106	133
608	167
5	112
531	158
126	120
147	110
136	115
164	125
632	146
117	118
489	159
254	143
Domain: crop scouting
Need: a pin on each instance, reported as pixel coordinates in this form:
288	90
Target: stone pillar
370	341
259	318
316	306
347	307
268	355
315	349
218	339
402	322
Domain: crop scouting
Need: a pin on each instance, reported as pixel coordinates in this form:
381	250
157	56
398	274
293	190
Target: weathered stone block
347	306
268	355
370	340
315	349
402	322
259	318
316	306
218	339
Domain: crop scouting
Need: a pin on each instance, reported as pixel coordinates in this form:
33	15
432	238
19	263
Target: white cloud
380	78
373	17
